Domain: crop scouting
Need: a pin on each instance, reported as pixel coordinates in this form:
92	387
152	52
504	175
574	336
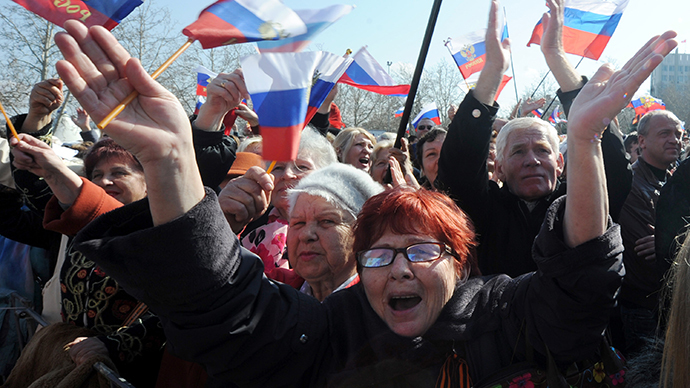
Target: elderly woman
385	157
323	209
415	308
266	234
354	146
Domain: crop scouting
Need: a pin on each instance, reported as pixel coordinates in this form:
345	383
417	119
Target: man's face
424	126
661	146
529	166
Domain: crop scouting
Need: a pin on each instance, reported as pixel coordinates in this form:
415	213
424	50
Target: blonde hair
675	364
525	123
346	139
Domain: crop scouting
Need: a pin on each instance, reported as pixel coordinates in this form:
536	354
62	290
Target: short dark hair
108	149
428	137
630	139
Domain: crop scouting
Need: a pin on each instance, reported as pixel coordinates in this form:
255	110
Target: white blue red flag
587	26
469	51
471	82
367	74
106	13
429	111
204	77
200	100
316	21
238	21
399	112
555	117
538	112
287	89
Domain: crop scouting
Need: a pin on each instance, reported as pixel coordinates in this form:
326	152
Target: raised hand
245	198
45	97
37	157
154	127
247	114
497	60
224	93
609	91
82	120
529	105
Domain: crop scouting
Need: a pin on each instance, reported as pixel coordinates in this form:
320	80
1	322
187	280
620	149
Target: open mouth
401	303
364	160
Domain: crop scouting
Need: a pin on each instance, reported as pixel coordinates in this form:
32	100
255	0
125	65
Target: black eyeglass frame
422	127
444	246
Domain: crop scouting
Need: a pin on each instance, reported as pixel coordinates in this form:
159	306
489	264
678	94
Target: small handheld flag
106	13
316	20
287	89
587	26
645	104
469	51
399	112
367	74
228	22
429	111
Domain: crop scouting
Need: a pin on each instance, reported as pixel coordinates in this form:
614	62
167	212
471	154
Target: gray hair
643	125
524	123
314	145
342	185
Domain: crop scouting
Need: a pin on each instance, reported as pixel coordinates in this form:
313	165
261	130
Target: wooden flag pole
270	168
9	123
118	109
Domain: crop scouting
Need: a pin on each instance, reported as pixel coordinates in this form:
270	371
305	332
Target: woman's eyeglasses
418	252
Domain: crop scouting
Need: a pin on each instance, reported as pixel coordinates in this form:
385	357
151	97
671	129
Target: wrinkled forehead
426	122
520	136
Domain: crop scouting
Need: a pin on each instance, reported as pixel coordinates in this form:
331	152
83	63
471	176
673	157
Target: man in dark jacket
660	133
508	218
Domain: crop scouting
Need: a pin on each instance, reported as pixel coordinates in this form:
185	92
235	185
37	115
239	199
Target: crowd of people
464	258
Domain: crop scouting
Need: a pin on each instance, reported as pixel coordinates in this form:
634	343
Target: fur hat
340	184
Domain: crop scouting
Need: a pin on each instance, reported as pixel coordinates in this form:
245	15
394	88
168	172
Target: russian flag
471	82
588	26
429	111
367	74
204	77
200	100
538	112
399	112
316	21
555	117
238	21
645	104
106	13
469	51
287	89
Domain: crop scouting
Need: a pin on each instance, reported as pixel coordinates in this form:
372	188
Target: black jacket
506	227
218	309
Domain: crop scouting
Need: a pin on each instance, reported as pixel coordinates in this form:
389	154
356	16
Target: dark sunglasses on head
417	252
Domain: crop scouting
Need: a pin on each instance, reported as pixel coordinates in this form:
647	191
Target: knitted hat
340	184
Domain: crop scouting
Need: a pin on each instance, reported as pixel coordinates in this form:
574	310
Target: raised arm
604	96
154	127
551	45
497	60
224	93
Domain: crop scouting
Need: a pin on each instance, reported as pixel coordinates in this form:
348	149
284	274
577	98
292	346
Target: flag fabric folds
316	20
399	112
367	74
238	21
645	104
429	111
471	82
588	26
106	13
555	116
538	112
469	51
287	89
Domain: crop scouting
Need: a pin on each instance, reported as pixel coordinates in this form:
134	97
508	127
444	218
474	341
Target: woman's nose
400	268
